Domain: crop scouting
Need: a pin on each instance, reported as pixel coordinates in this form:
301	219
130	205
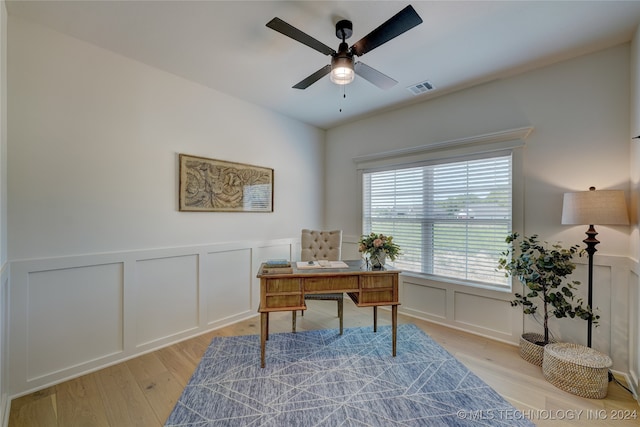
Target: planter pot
530	350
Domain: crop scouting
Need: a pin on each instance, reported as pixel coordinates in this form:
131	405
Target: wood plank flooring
143	391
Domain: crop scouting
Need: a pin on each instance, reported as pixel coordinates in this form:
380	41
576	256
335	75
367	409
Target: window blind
450	219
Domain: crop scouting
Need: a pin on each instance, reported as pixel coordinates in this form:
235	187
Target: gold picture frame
210	185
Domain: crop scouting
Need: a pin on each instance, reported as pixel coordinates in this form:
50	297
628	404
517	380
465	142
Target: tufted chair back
321	245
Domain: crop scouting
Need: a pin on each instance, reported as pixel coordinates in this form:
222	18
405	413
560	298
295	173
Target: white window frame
511	141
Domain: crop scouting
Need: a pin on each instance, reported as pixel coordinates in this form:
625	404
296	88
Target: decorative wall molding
488	313
483	312
149	299
72	315
493	141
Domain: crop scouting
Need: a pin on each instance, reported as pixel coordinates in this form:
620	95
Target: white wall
103	265
579	113
93	147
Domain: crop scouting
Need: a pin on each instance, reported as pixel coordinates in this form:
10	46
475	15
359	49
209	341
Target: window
450	218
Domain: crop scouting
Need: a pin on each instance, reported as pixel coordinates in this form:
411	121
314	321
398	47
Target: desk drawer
283	285
348	283
377	281
284	301
371	297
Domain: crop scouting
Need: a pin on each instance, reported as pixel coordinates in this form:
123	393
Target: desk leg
394	326
264	334
293	320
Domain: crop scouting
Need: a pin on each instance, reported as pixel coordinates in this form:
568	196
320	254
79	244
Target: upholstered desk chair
321	245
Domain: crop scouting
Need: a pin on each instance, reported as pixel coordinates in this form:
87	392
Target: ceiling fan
342	67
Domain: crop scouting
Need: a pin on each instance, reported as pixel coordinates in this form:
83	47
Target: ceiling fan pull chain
344	94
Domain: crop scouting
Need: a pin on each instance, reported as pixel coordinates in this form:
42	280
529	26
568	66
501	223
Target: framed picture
210	185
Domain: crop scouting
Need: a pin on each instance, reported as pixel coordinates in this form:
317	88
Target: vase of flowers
377	247
378	258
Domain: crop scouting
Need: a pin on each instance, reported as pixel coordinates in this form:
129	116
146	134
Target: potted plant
378	247
543	270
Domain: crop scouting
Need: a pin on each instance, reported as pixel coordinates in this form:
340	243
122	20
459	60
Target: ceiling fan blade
313	77
403	21
374	76
290	31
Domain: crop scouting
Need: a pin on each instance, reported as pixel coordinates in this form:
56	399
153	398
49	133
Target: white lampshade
603	207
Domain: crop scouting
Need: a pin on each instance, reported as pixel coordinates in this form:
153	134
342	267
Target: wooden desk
367	288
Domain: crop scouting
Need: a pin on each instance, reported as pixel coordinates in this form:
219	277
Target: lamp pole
591	243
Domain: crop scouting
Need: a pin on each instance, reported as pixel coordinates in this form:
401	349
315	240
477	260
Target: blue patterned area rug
319	378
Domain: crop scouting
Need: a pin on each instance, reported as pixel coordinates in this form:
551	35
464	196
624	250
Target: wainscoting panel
71	315
489	313
423	300
634	329
166	297
603	298
75	316
477	310
227	285
483	313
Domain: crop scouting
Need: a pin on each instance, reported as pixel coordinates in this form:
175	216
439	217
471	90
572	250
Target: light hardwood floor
143	391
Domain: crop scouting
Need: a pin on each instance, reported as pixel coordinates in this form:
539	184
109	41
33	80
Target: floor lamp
602	207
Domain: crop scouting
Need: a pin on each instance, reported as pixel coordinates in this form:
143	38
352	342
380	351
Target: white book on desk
304	265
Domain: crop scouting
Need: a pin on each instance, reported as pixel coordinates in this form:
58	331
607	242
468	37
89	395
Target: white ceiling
226	46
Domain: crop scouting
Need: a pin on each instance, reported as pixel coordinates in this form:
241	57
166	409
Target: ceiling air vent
420	88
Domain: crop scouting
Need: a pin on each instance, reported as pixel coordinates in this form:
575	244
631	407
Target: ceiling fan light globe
342	75
342	69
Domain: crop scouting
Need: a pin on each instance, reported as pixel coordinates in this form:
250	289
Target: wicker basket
577	369
529	350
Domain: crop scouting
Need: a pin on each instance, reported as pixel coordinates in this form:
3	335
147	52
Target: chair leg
293	321
340	311
375	318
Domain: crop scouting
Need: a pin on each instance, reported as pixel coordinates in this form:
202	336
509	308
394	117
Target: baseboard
629	383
